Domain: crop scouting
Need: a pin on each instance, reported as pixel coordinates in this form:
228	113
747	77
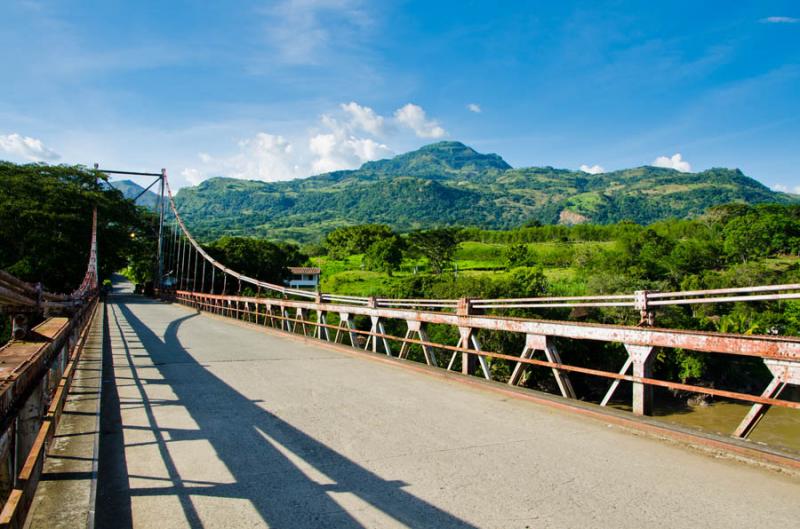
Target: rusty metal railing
781	355
34	382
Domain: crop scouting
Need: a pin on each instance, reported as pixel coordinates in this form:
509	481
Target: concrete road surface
209	424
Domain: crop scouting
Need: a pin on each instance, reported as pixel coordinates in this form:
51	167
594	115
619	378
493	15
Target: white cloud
474	107
345	138
780	20
414	117
673	162
785	189
265	157
338	142
593	169
337	148
26	148
192	175
364	118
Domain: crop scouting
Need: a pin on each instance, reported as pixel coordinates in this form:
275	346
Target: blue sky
276	90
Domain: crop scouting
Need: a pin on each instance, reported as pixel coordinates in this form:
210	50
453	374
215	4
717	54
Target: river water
779	428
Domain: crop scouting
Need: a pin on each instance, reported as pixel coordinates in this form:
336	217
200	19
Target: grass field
473	258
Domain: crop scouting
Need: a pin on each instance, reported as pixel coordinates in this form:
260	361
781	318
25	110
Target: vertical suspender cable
183	262
178	253
203	281
188	266
178	276
194	282
175	251
167	252
189	277
178	271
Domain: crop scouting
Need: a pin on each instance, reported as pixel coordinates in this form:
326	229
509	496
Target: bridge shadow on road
290	479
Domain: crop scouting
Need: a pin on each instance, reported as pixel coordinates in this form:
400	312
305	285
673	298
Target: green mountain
448	183
132	190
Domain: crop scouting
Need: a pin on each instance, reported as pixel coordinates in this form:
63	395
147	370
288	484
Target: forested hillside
448	183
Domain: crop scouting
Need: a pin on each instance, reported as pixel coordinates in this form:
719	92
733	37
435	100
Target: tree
761	233
350	240
528	282
385	255
438	245
644	254
46	222
256	258
692	256
518	255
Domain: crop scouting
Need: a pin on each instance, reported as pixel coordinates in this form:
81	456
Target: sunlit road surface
211	424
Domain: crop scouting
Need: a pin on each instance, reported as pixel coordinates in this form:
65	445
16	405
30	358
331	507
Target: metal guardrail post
642	304
467	338
642	359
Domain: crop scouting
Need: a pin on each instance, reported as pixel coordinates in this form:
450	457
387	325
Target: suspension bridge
234	402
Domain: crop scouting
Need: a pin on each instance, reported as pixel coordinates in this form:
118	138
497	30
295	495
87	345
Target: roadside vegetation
730	246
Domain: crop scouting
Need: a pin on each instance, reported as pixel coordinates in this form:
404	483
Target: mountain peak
439	159
132	190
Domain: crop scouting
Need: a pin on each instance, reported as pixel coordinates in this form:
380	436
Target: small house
304	277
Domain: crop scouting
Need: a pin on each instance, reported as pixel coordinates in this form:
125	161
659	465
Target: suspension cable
227	271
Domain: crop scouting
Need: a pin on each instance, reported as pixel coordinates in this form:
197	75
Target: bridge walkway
208	423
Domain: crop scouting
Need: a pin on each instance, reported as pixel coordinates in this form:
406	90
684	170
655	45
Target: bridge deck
210	424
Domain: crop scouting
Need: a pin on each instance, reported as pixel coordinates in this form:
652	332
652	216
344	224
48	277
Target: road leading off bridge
278	407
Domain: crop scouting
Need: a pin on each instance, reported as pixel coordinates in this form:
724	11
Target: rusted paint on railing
777	347
30	366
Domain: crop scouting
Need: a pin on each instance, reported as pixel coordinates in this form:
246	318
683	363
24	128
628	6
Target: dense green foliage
257	258
437	245
449	184
730	246
519	255
349	240
385	254
46	220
